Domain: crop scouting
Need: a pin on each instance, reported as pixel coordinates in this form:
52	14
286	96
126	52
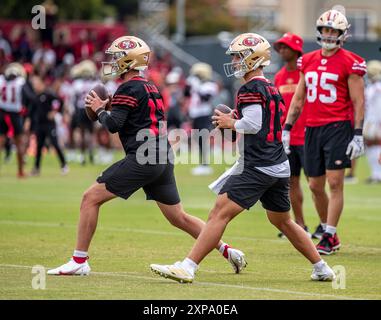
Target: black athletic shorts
252	185
296	159
325	148
126	176
204	122
8	119
81	120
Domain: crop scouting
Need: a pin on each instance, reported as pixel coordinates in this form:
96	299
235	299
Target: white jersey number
312	79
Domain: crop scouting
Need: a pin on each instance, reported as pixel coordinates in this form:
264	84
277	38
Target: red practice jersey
327	98
286	82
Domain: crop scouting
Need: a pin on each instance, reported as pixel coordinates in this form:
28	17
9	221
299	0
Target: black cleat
318	232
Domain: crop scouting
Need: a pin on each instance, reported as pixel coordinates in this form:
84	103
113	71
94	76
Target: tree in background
207	17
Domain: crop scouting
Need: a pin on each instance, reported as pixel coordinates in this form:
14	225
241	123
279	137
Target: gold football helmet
254	52
374	70
202	70
126	53
336	20
14	70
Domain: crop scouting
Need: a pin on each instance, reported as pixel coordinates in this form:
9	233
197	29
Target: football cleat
328	244
202	170
323	274
65	170
236	259
174	272
318	232
71	268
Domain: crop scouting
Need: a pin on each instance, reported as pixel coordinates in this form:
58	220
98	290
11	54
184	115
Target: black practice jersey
44	103
264	148
137	114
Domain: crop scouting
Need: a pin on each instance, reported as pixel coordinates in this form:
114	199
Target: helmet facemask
111	67
331	42
240	68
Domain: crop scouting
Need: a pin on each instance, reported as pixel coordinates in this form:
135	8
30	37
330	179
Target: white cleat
237	259
323	274
202	171
71	268
65	170
174	272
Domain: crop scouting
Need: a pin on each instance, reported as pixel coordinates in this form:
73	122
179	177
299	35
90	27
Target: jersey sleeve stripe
358	68
124	102
249	94
125	96
125	99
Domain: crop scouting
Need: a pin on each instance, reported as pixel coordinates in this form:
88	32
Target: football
223	108
101	90
226	133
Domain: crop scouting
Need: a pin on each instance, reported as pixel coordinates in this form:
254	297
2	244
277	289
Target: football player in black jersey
262	172
137	115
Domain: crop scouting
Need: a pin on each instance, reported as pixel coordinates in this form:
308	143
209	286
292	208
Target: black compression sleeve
115	120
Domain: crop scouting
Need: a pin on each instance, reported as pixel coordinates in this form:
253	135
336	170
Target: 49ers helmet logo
126	45
251	41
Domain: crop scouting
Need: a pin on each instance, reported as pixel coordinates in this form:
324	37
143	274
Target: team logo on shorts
338	162
251	41
126	45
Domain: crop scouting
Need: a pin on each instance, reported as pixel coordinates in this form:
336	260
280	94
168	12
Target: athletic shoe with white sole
71	268
325	273
174	272
318	232
236	259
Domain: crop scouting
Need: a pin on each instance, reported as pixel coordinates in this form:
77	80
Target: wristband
287	127
100	110
358	132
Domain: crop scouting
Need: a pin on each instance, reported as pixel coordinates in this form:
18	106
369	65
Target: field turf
38	218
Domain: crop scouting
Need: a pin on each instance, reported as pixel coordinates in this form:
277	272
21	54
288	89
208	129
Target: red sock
80	259
225	254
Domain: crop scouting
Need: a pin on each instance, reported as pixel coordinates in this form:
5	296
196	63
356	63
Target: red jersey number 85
312	81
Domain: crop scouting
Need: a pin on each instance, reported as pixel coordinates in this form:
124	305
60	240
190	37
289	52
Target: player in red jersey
331	80
290	48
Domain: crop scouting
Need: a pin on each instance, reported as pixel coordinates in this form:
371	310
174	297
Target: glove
286	140
356	147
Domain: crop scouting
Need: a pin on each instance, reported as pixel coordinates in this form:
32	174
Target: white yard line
148	231
207	284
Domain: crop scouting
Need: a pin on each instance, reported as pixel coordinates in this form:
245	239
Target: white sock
80	254
222	247
331	230
319	265
372	154
190	265
324	225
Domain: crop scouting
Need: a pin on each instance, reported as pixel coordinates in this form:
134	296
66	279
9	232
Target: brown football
223	108
101	90
226	133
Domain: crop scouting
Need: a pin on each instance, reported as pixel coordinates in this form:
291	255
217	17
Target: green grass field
38	218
